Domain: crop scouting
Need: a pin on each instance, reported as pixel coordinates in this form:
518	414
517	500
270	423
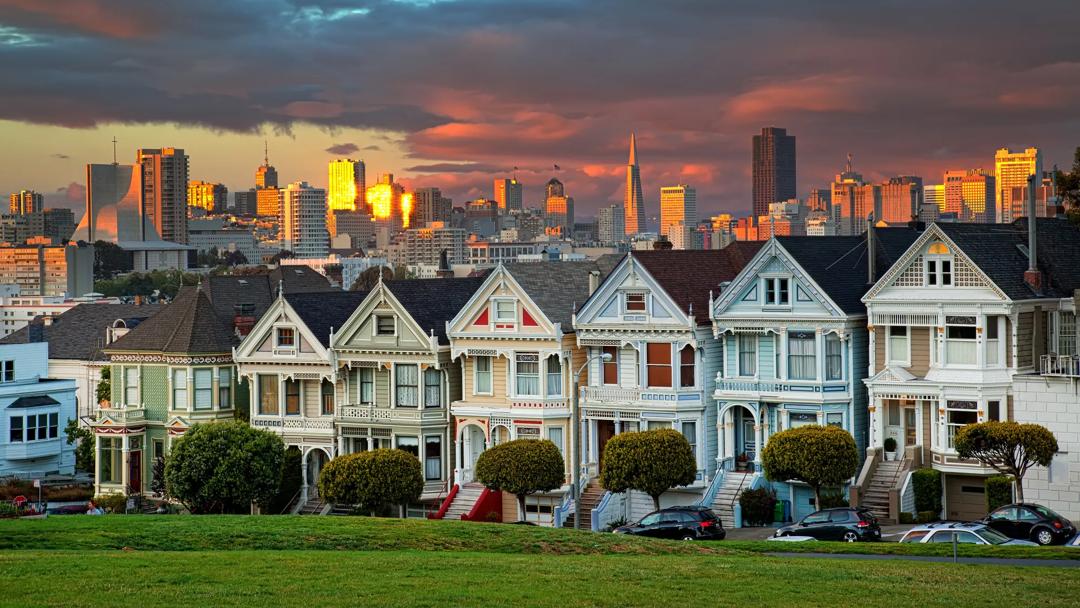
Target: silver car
969	534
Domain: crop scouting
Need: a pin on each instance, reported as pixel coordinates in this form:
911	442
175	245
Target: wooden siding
880	336
712	355
309	391
1009	360
920	351
1024	332
859	355
499	372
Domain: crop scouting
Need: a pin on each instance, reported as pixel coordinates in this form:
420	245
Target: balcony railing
724	385
627	396
122	415
294	423
1060	365
370	413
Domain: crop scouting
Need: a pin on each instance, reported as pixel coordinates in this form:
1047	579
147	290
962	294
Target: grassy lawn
315	561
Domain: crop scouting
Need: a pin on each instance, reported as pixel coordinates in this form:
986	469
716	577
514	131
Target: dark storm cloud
342	149
470	88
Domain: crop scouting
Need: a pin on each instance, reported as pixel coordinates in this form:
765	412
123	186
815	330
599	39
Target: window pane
367	385
689	431
554	376
327	398
748	355
555	434
483	374
527	371
836	420
802	358
410	445
268	394
384	325
180	394
658	362
611	368
635	302
432	388
432	457
16	428
292	397
204	389
687	376
834	360
406	378
225	388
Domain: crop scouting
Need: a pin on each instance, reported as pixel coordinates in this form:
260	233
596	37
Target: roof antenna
266	153
114	150
281	288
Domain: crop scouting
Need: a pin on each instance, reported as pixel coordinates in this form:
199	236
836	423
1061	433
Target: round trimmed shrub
652	462
521	467
819	456
758	506
372	481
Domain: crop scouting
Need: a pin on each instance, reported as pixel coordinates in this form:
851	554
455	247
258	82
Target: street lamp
575	438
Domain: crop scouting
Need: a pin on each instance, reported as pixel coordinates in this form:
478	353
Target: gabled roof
322	312
79	333
187	326
838	264
689	275
434	302
558	287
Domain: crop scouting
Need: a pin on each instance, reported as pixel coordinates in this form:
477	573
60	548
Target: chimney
243	319
594	280
138	300
1033	277
444	271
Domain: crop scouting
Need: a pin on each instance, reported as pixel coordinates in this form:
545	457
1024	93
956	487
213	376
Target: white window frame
771	288
996	346
891	357
495	313
973	341
490	372
813	353
644	302
173	372
739	371
127	401
549	376
195	373
826	339
539	376
375	326
932	267
277	337
418	386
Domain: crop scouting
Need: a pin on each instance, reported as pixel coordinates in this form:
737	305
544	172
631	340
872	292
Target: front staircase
314	506
590	499
876	495
464	501
728	496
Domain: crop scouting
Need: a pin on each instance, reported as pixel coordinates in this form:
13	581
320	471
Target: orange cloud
814	94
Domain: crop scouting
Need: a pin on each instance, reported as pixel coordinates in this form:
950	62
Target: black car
848	524
1032	522
681	523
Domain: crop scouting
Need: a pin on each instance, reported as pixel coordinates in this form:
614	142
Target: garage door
965	497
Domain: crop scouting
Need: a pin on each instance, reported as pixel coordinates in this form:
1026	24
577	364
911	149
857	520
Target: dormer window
635	302
286	337
384	325
939	265
777	292
505	311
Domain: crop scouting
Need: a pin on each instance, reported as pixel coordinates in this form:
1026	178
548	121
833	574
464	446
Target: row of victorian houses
906	333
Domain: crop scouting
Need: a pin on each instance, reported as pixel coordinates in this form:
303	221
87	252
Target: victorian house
515	341
34	409
966	308
169	372
793	330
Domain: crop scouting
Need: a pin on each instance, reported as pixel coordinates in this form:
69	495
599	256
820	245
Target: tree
1067	185
83	438
1010	448
818	456
650	461
281	255
372	480
104	387
370	277
292	477
224	467
110	260
521	467
157	482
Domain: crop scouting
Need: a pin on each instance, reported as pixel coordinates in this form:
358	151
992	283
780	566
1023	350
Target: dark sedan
680	523
1032	522
848	524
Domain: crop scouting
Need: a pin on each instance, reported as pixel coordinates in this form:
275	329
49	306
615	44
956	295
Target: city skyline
457	123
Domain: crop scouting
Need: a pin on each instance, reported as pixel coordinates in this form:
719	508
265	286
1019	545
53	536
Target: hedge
927	486
999	491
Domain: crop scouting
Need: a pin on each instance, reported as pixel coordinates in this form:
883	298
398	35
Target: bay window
482	375
748	354
410	445
527	373
268	395
111	463
204	389
959	414
326	393
898	344
802	355
658	364
993	341
432	457
15	429
611	367
292	397
179	387
224	388
131	386
432	387
365	385
406	385
834	359
554	376
687	373
960	340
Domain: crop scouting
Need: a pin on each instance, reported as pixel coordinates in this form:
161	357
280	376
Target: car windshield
1047	513
993	537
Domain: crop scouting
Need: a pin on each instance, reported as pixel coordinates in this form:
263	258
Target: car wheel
688	537
1044	537
850	537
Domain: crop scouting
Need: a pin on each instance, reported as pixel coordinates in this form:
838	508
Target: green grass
316	561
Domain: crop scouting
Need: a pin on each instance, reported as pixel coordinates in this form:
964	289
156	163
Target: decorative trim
171	359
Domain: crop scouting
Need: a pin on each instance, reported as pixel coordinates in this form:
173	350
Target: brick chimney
243	319
1033	276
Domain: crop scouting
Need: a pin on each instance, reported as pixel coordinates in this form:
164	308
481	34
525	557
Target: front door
135	471
605	430
909	427
749	444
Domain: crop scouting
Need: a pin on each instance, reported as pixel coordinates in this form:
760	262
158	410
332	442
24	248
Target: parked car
685	523
1033	522
850	524
77	509
974	533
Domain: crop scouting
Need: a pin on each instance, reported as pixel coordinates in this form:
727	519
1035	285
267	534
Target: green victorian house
169	372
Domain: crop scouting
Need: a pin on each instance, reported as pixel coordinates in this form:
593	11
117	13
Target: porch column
97	464
877	423
125	462
304	479
919	439
721	440
729	433
757	446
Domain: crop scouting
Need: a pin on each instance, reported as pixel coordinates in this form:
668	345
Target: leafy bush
833	500
521	467
83	438
999	491
906	518
816	455
223	467
372	480
926	517
112	503
926	484
69	493
649	461
292	477
157	480
758	506
1010	448
8	510
890	444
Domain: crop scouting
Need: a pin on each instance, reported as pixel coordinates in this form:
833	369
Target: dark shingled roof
187	326
322	312
838	264
434	302
258	291
689	275
994	248
559	287
79	333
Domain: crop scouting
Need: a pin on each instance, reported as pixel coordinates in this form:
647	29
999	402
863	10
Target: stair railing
735	498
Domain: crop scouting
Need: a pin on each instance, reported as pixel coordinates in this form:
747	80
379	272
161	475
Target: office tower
612	224
213	198
1011	170
554	188
165	183
266	174
303	221
358	225
1046	199
970	195
37	269
633	200
245	202
59	224
853	200
27	201
346	190
773	168
384	200
901	198
431	206
508	194
934	194
819	199
268	201
560	214
677	204
425	245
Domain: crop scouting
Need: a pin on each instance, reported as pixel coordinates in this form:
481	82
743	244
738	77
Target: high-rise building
773	168
303	221
347	189
358	225
27	201
634	200
266	174
425	245
268	201
246	202
934	194
970	195
508	194
901	198
677	204
819	199
554	188
560	214
213	198
165	184
853	200
1011	170
59	224
48	270
431	206
385	200
612	224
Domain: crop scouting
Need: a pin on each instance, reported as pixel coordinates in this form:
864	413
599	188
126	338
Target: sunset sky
453	93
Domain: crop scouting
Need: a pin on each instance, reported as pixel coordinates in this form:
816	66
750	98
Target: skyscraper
508	194
347	185
935	194
27	201
554	188
560	214
165	184
773	168
431	206
678	205
266	175
612	224
303	220
901	198
211	197
970	195
1012	169
853	200
633	200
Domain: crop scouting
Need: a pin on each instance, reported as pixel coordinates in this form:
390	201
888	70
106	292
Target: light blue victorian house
795	344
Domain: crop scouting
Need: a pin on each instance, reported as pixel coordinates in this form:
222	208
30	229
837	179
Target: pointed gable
189	325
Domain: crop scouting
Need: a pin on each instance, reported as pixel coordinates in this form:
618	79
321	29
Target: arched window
939	265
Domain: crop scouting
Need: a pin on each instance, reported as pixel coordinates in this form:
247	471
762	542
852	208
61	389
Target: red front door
135	472
605	429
